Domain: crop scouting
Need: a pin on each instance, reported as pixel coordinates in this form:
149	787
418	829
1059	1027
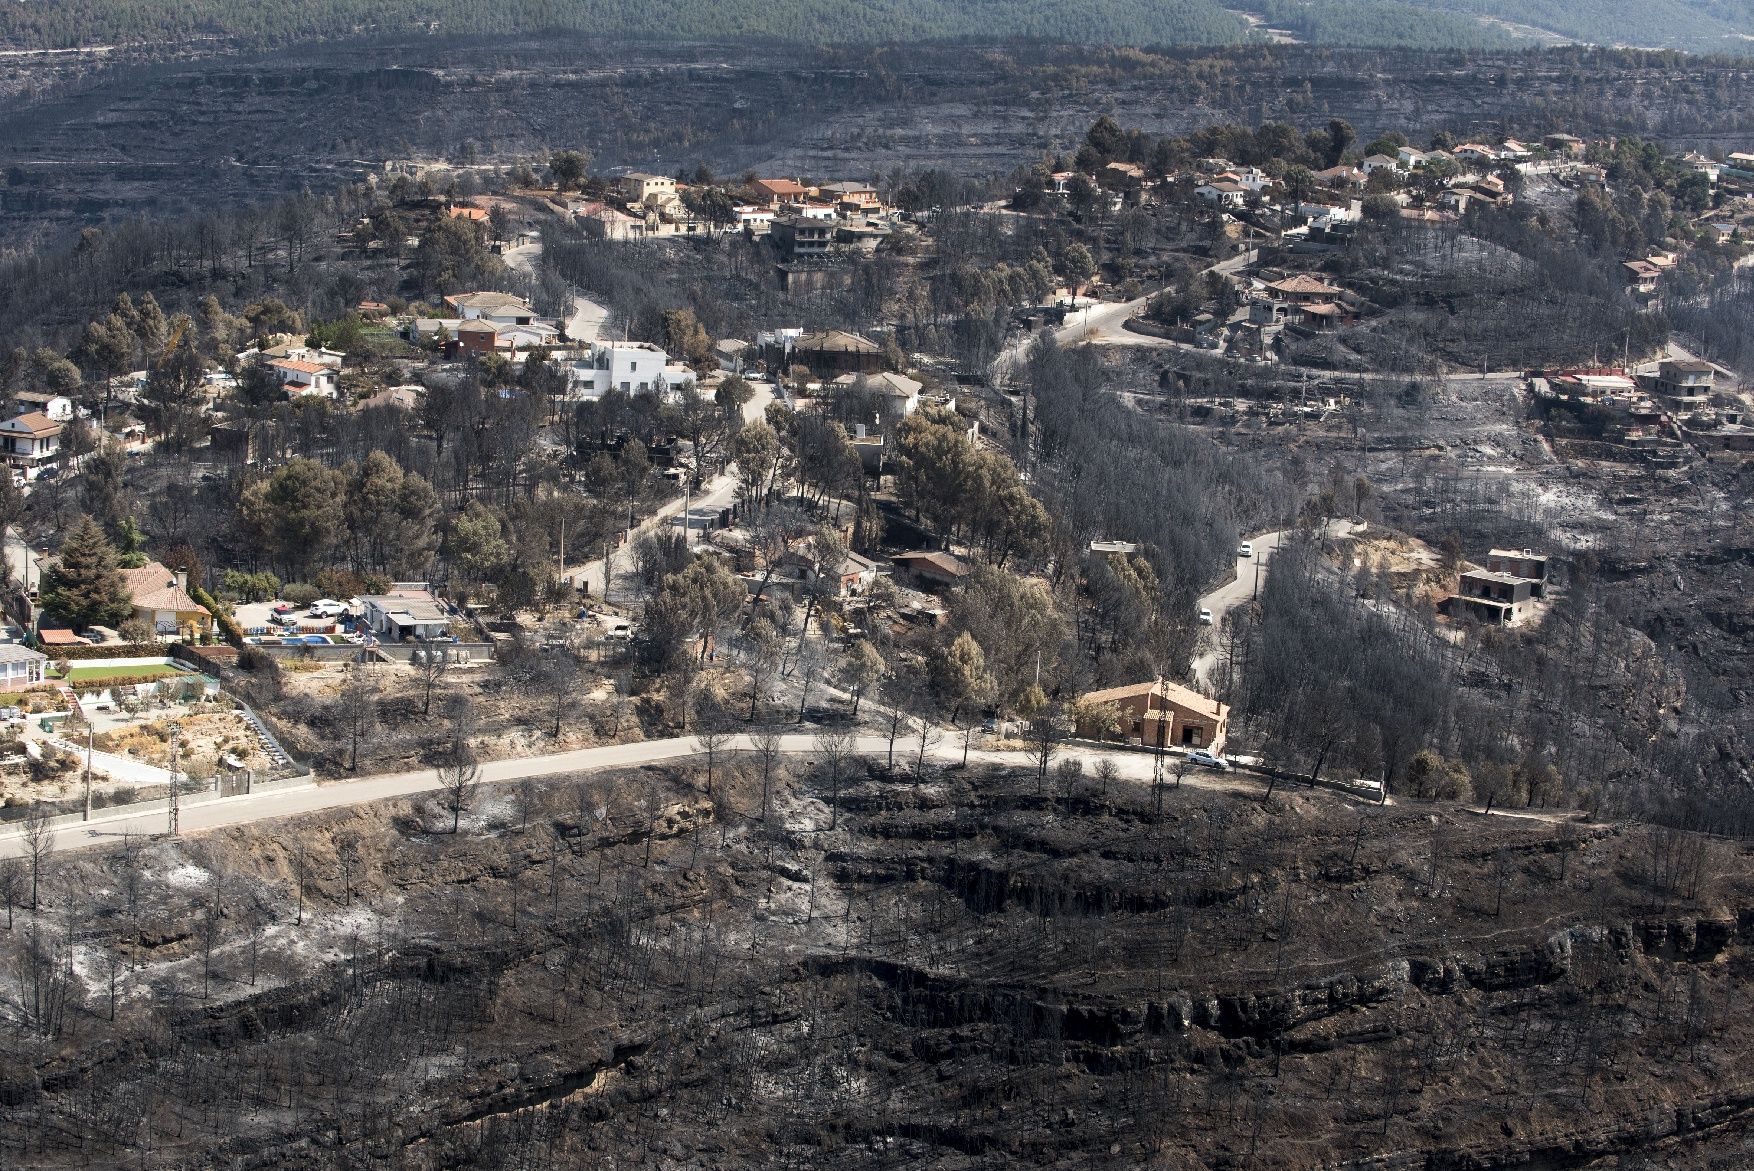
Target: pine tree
84	587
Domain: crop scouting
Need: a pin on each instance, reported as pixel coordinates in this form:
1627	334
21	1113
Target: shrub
300	593
248	587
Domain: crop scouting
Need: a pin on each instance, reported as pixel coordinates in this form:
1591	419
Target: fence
217	789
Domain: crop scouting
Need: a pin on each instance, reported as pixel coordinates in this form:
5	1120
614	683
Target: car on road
1205	616
1206	759
1246	549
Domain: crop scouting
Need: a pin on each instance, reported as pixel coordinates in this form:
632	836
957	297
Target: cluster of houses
1500	592
804	222
1657	412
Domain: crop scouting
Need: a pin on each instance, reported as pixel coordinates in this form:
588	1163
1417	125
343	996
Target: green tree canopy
84	587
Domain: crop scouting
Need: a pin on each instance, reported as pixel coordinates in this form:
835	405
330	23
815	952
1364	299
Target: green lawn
99	674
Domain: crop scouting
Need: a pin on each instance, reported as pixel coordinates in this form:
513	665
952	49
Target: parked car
284	607
1246	549
327	608
1205	616
1206	759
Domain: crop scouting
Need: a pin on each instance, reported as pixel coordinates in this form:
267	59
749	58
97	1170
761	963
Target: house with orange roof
778	193
161	598
1161	714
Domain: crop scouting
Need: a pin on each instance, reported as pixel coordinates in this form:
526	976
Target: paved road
585	322
1250	572
194	819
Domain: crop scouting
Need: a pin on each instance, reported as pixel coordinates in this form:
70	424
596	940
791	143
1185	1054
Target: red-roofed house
299	377
778	193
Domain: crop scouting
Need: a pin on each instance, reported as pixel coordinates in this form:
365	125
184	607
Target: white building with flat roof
630	367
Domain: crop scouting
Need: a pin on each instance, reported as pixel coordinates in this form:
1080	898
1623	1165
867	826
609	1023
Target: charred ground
970	971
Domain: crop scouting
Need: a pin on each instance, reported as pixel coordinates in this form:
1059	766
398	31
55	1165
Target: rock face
962	974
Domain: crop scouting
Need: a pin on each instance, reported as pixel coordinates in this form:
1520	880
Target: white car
327	608
1205	616
1246	549
1206	759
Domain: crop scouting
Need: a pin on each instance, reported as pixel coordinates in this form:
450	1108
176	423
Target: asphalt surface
945	747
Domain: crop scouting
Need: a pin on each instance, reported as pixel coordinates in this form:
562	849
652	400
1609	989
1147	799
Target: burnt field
971	971
82	141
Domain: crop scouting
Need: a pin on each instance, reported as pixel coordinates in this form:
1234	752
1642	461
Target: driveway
717	493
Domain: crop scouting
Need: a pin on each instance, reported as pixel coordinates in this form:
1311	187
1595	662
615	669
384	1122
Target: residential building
298	378
899	393
1341	177
30	442
161	599
57	407
1376	163
853	198
1563	144
630	367
1685	381
779	193
833	352
1410	157
731	354
409	612
609	223
802	238
1163	714
1642	276
1525	563
1474	152
642	186
1222	193
931	570
498	308
1304	289
754	219
1498	598
20	667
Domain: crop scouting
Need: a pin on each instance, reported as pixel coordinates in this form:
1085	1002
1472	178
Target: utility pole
175	812
88	733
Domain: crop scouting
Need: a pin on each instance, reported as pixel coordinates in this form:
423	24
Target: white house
1409	156
410	611
754	219
20	667
1221	193
1474	152
630	367
298	377
30	442
55	406
1376	163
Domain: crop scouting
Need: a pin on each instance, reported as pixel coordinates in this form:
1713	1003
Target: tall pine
85	587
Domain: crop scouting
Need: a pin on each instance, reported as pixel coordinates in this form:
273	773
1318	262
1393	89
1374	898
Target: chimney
181	577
